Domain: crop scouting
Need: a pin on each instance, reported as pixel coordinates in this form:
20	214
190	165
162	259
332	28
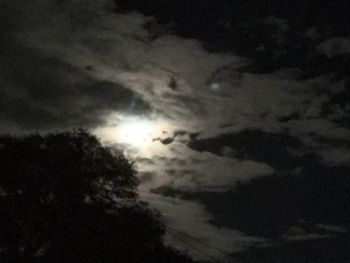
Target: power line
193	239
186	243
196	248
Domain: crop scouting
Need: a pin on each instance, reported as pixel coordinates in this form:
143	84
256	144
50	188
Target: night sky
236	113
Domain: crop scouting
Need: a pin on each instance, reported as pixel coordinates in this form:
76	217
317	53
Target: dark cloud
271	148
270	206
41	92
189	15
170	138
323	250
334	47
193	171
269	32
251	97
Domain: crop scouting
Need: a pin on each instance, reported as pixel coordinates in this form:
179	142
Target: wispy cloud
76	63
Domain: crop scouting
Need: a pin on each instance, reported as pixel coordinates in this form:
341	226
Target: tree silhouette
66	198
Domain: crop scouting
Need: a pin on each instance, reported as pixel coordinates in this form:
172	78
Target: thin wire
196	248
193	239
185	242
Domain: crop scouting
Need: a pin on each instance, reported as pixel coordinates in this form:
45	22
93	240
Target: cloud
318	127
118	48
41	89
260	146
44	93
336	156
188	170
193	229
77	63
269	206
334	47
324	249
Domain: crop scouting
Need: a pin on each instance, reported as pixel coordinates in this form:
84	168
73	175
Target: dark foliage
66	198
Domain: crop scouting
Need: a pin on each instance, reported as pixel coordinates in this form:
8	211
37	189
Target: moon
136	132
